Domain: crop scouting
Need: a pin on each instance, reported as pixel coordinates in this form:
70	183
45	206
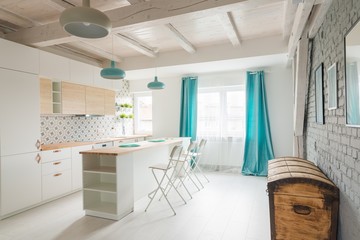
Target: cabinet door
95	101
73	98
100	81
19	57
54	67
46	106
20	112
81	73
76	166
109	102
20	182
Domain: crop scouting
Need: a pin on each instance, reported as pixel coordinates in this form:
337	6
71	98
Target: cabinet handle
104	145
56	163
57	174
38	158
38	144
57	150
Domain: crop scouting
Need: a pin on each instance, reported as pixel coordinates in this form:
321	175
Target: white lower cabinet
56	173
108	185
56	184
76	166
20	182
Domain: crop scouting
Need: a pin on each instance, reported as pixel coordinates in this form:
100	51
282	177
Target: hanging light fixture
156	85
113	72
85	22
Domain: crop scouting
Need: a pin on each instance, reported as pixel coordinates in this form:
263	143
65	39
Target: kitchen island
114	178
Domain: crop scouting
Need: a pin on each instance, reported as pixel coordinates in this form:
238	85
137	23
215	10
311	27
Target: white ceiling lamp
85	22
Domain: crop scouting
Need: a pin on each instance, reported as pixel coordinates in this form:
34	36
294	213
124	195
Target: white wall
279	87
166	105
279	90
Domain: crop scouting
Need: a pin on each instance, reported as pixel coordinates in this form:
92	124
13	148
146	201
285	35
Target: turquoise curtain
188	110
258	146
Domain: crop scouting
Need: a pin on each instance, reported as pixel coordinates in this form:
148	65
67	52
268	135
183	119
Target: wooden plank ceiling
139	30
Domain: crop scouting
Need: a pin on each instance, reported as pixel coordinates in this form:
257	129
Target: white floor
229	207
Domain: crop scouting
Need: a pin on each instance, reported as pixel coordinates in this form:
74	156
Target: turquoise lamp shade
113	72
156	85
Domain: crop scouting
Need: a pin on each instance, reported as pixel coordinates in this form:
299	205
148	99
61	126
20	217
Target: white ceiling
251	63
177	37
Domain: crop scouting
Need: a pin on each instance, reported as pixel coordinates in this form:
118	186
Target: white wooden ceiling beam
132	2
229	25
69	53
184	43
301	18
318	17
59	4
94	49
145	13
289	13
16	19
138	46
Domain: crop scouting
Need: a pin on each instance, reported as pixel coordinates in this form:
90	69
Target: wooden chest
303	201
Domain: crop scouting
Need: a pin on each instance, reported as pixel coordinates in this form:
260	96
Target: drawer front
56	166
56	184
56	154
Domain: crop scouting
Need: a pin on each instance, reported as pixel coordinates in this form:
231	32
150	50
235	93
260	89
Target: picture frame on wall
332	87
319	100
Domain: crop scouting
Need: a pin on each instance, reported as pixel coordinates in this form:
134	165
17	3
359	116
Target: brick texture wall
334	146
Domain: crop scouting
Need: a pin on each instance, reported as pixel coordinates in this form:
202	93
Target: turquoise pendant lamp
156	85
113	72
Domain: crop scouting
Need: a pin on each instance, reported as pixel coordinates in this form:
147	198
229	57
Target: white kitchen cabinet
20	112
19	57
56	173
56	184
20	182
54	67
108	185
81	73
100	81
76	166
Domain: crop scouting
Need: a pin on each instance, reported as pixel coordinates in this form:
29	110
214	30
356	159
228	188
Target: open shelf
102	187
101	169
105	207
100	202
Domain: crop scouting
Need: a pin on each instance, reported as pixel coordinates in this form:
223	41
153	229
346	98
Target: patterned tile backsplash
63	128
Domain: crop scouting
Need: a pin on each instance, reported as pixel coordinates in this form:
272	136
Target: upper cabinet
109	102
100	81
95	101
54	67
46	106
81	73
73	98
20	112
19	57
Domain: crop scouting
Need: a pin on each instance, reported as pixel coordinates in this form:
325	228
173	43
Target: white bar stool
165	168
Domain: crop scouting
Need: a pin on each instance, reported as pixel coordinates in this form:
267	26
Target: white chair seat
161	166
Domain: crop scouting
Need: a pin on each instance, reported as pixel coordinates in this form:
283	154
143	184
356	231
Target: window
143	113
221	112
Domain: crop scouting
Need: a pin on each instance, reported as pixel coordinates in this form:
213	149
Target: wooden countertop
123	150
54	146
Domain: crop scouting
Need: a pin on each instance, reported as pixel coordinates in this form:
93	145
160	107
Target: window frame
136	97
